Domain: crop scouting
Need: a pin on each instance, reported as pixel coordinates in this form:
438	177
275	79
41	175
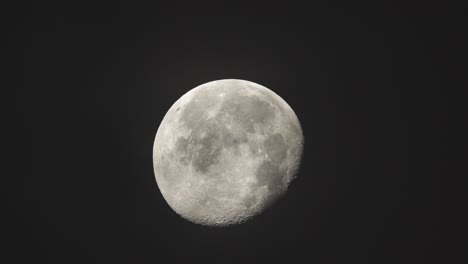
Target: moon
226	151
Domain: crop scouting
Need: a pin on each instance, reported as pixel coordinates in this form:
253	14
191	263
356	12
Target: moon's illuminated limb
225	151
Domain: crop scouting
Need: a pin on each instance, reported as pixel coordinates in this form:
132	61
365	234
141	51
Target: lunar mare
225	151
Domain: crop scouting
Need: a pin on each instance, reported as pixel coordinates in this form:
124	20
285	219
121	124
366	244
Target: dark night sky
94	82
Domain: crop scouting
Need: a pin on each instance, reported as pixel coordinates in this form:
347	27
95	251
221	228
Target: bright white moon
225	151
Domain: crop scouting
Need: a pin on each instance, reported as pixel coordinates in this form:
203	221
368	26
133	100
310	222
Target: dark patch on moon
202	154
276	148
270	175
231	141
183	147
205	143
209	152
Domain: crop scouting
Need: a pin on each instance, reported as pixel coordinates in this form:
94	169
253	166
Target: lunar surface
226	151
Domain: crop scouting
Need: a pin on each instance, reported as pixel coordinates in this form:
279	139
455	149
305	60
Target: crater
249	201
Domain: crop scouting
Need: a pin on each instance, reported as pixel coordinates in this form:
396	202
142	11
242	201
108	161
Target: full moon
226	151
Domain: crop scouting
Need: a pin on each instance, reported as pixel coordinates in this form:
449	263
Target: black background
94	82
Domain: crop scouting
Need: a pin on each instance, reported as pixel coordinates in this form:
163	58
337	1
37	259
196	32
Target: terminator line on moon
225	151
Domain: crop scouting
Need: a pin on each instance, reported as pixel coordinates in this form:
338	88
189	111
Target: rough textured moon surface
226	151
